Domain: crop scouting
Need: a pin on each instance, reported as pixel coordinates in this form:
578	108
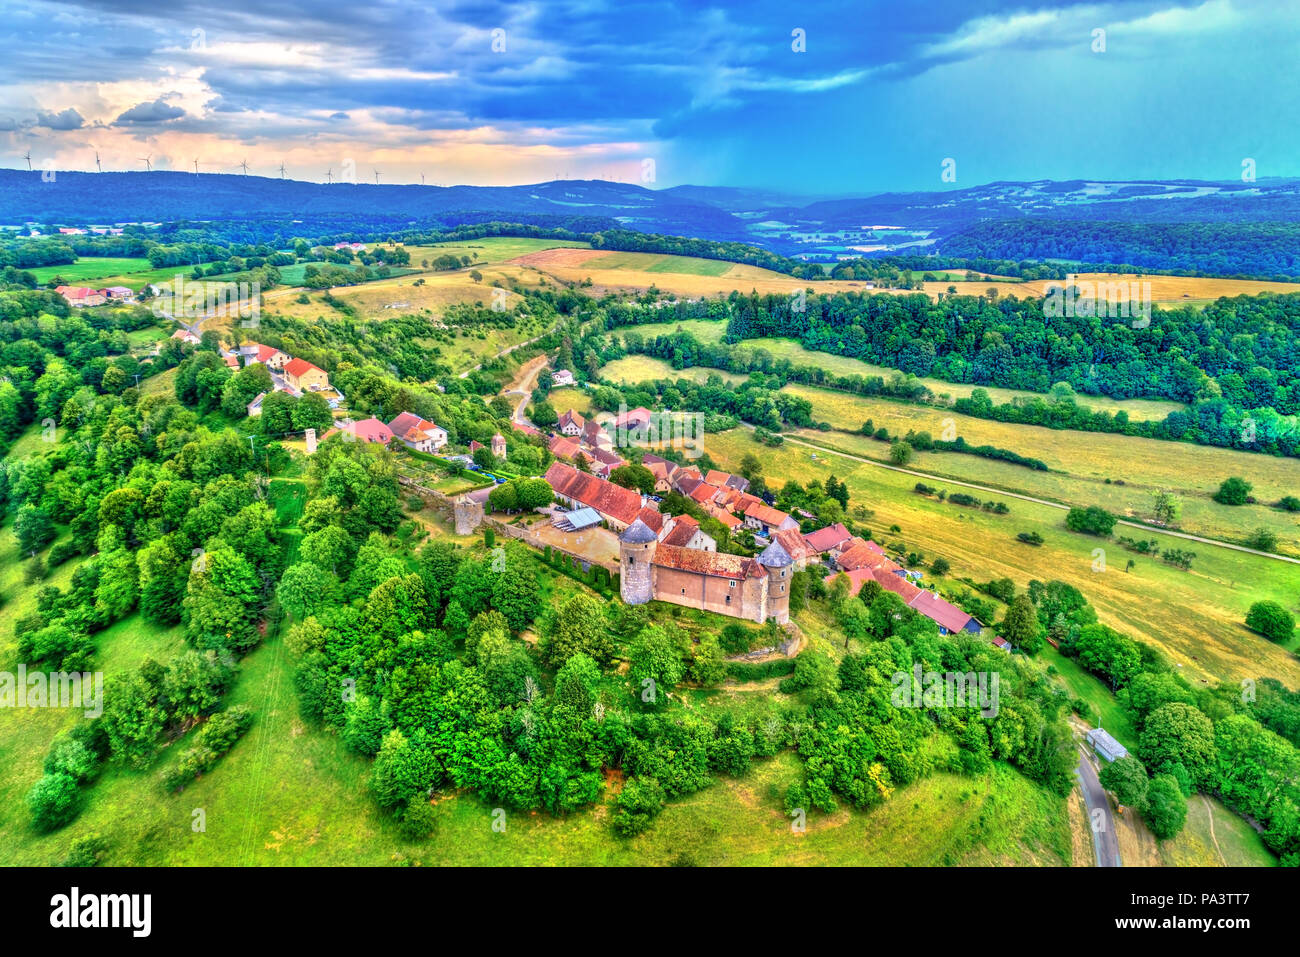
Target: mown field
1196	616
638	368
87	268
1117	472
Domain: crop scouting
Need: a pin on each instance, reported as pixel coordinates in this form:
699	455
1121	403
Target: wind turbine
148	163
99	166
281	169
421	179
329	176
376	177
196	166
28	156
244	164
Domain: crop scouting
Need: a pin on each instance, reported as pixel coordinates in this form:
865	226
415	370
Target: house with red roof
302	376
684	531
825	539
766	520
269	356
367	430
417	433
617	505
79	296
571	423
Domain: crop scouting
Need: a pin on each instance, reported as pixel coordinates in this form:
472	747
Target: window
683	591
728	599
731	584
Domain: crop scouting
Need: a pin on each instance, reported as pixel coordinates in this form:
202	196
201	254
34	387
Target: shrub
1233	491
637	805
54	801
1271	620
1092	520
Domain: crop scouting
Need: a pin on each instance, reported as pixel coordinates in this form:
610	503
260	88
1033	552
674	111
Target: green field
659	262
96	267
490	249
1196	616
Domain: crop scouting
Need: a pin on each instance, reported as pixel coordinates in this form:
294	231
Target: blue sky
663	93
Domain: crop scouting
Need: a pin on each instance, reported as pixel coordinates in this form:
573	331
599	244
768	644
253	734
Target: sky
808	98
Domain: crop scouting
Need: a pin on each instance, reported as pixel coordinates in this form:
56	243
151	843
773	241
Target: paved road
1037	501
1102	825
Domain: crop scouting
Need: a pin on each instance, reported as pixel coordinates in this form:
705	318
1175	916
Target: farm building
269	356
302	376
1106	746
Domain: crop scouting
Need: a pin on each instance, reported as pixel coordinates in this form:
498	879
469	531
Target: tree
1179	734
514	591
576	684
1166	506
655	666
1271	620
1021	626
900	453
579	628
33	528
311	412
543	414
1092	520
940	566
303	588
53	801
1233	491
1127	779
632	476
1166	808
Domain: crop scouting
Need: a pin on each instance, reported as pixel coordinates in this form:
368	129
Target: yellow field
638	368
1195	616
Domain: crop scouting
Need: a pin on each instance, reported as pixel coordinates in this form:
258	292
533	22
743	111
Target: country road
1037	501
523	385
1100	819
505	352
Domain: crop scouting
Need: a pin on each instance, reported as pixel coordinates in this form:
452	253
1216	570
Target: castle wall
707	592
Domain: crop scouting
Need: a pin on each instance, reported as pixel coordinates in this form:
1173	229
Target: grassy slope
1081	464
1196	616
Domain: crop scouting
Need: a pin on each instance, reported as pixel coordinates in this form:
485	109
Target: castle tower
636	554
499	446
780	567
469	515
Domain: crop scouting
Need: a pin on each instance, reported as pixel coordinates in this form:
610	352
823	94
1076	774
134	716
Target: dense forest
1260	250
1234	363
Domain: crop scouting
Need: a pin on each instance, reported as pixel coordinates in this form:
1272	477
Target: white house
417	433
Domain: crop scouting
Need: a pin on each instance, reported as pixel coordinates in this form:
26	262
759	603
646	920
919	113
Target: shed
1105	745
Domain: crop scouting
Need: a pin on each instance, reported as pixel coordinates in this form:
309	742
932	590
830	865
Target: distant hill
824	229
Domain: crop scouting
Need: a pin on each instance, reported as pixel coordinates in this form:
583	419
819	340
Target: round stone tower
636	554
780	566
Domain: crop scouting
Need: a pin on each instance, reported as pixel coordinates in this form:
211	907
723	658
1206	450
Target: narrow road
524	384
1102	825
505	352
1037	501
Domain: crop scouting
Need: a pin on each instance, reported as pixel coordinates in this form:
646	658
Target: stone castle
756	589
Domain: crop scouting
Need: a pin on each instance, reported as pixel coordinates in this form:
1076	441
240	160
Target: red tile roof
571	416
766	514
564	448
412	428
652	517
621	503
939	610
716	564
703	492
824	539
793	543
297	367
